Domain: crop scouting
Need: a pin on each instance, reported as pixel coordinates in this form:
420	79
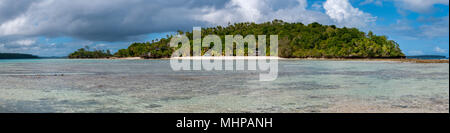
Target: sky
59	27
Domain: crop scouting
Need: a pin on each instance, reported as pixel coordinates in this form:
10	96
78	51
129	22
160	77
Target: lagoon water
63	85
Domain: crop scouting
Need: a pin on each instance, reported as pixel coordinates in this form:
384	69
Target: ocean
72	85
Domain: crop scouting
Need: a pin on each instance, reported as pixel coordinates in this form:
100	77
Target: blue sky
56	28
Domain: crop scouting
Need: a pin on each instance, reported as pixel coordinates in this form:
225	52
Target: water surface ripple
63	85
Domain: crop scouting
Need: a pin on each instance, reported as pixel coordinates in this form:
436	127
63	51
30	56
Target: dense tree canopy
296	40
158	49
86	53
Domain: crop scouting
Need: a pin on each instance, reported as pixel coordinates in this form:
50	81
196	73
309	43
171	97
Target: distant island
427	57
17	56
296	40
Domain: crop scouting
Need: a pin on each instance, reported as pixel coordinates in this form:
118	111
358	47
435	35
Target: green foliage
156	49
83	53
296	40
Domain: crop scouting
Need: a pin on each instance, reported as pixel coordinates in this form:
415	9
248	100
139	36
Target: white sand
127	58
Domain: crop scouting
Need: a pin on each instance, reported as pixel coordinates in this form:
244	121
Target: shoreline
402	60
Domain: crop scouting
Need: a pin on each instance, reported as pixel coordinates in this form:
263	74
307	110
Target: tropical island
296	40
86	53
17	56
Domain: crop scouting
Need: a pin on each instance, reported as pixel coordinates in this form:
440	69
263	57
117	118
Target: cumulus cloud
235	11
127	20
113	20
338	12
343	12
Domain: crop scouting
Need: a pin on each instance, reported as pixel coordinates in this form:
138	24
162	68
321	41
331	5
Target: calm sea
63	85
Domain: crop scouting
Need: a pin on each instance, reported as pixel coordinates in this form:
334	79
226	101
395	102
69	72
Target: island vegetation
17	56
86	53
296	40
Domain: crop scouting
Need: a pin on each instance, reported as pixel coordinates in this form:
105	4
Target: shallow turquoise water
63	85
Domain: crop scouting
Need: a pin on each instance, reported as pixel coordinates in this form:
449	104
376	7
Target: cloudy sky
58	27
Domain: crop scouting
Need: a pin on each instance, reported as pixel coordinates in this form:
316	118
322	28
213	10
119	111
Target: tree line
17	56
296	40
87	53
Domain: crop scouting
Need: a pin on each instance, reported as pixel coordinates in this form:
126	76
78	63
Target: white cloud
343	12
299	13
338	12
98	20
235	11
23	21
26	42
14	26
440	50
254	11
420	6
